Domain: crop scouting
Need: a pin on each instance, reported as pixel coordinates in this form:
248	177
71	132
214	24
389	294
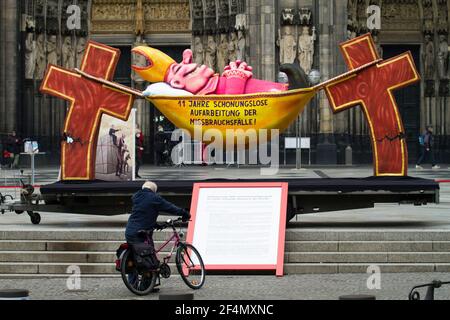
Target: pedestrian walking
139	150
426	149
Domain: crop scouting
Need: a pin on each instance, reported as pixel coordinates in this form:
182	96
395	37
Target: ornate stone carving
306	49
30	49
241	22
233	47
428	16
140	22
442	21
287	17
305	16
52	17
199	52
40	57
287	44
156	16
116	17
210	16
197	17
84	19
211	53
167	16
81	46
223	24
361	27
428	58
52	54
352	14
233	12
400	15
443	57
222	52
241	46
68	53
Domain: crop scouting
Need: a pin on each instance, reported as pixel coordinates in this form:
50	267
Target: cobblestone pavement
297	287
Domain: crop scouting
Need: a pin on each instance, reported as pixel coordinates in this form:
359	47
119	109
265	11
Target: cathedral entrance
408	99
156	117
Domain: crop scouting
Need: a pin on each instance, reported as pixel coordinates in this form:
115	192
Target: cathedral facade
264	33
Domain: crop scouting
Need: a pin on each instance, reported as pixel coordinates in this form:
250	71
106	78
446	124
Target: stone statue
222	52
140	23
443	57
211	53
137	60
306	49
241	46
233	47
30	50
52	54
68	54
241	22
428	58
81	46
30	56
198	50
288	45
40	57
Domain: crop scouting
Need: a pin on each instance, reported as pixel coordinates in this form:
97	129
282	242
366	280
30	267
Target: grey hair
150	185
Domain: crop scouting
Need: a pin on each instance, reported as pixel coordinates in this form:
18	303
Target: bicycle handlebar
167	224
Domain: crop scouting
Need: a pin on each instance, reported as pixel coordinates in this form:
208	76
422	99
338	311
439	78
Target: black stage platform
392	184
305	195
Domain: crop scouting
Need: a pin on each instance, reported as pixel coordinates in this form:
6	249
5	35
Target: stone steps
330	268
44	253
90	246
290	257
367	246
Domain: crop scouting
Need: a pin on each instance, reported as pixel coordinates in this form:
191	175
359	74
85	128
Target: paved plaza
433	217
302	287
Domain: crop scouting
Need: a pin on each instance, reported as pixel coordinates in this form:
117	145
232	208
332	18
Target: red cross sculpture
372	89
88	101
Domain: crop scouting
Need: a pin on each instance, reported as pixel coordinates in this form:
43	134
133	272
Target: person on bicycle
147	205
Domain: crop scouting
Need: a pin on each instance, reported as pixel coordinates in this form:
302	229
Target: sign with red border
239	226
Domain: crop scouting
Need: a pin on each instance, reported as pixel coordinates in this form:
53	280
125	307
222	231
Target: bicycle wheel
190	266
139	283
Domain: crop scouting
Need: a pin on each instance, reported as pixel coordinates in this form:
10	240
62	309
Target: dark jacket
428	139
13	144
146	208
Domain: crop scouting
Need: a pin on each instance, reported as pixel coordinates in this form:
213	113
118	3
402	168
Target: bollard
14	294
348	156
357	297
176	296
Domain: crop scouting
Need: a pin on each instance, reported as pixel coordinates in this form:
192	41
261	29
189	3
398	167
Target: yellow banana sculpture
273	110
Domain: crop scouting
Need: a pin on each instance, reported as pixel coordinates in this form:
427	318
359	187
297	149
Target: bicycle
189	263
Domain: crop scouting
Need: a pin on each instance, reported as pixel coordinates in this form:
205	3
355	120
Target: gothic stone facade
265	33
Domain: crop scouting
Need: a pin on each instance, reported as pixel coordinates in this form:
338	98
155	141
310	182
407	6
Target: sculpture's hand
238	69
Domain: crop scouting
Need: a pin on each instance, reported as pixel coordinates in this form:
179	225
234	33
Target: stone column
2	67
9	64
326	147
262	30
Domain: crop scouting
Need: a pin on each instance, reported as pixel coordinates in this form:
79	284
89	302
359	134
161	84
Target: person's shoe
436	167
419	167
138	176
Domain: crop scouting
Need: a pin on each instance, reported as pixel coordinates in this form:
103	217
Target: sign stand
239	226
